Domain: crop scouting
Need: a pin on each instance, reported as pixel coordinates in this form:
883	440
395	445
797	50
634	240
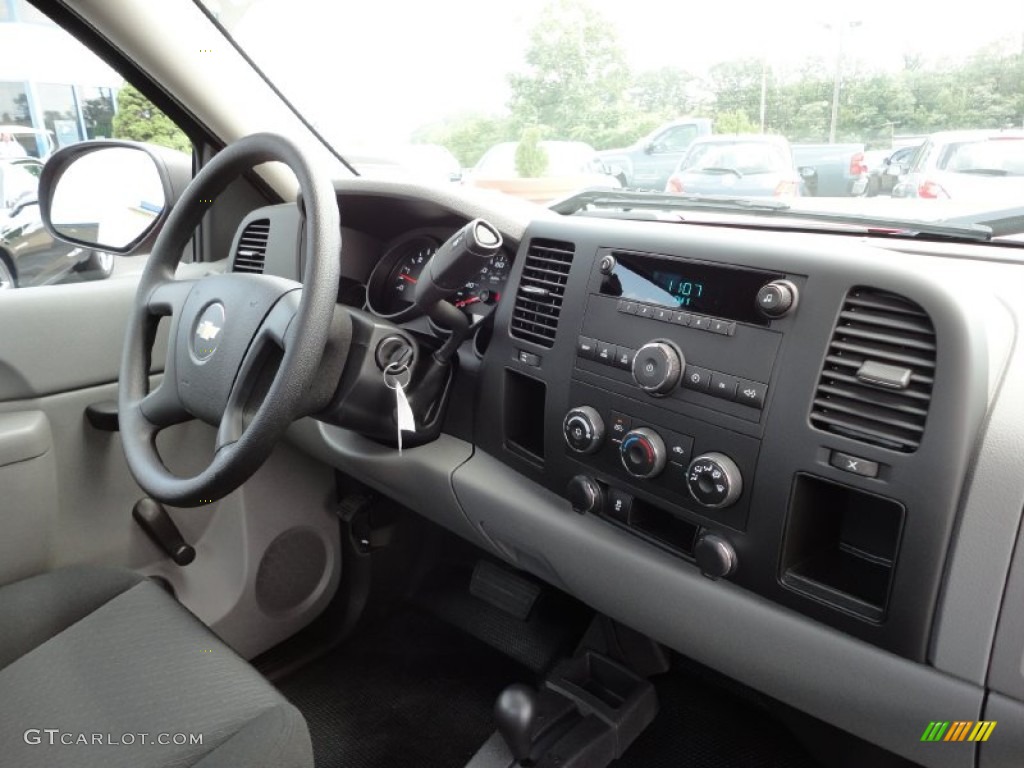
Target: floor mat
703	725
411	691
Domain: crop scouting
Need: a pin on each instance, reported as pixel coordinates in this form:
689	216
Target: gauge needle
408	279
467	302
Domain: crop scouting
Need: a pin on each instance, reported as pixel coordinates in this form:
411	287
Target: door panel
268	556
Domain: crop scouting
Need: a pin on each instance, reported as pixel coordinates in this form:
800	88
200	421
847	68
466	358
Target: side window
676	139
54	92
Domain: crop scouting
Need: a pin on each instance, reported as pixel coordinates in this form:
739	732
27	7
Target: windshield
847	84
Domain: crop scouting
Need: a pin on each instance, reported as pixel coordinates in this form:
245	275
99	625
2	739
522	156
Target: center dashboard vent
876	384
541	291
252	247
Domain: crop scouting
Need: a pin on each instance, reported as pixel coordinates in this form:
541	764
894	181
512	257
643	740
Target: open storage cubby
662	526
524	414
841	545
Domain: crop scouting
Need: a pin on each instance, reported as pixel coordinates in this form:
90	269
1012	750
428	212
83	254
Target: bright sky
406	64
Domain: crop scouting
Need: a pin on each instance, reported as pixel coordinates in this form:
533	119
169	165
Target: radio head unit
692	286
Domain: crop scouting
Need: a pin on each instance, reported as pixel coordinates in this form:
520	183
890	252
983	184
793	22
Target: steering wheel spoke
162	407
258	369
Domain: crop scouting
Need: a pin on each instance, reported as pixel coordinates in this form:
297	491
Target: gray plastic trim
419	478
1006	674
1005	747
989	518
23	436
869	692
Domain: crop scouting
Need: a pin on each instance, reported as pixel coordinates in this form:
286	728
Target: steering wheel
243	350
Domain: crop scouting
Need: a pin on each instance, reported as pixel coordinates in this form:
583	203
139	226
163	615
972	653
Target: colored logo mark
958	730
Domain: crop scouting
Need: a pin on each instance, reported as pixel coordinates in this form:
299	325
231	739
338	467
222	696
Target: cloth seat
99	667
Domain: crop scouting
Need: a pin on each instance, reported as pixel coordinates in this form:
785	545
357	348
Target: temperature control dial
643	453
714	480
657	367
583	429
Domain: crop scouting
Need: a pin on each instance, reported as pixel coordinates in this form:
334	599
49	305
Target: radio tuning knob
777	299
657	367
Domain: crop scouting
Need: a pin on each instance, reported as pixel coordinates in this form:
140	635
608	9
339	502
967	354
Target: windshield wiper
624	199
719	169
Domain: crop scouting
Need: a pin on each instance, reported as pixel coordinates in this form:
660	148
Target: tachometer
393	282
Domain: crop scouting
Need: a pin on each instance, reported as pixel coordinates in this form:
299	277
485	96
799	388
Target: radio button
724	385
644	310
624	357
665	315
586	348
682	318
751	393
627	307
723	327
701	323
605	353
697	379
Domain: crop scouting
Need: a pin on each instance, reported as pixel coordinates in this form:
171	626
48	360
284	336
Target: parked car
885	168
29	255
967	165
649	162
572	165
751	165
832	170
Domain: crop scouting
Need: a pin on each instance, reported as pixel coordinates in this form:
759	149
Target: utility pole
841	28
764	90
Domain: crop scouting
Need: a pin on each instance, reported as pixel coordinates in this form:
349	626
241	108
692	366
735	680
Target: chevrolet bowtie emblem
207	331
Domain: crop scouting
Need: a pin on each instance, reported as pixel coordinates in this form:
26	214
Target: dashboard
794	457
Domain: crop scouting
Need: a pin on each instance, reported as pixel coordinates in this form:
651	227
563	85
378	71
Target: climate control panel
691	467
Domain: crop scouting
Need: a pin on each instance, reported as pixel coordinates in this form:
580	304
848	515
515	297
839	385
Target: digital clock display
687	291
693	286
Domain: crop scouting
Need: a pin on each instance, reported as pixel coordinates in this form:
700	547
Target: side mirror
111	195
455	176
649	147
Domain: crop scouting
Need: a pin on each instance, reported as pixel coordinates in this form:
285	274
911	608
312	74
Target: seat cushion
100	667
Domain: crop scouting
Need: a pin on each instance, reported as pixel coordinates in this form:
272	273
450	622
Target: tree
576	78
667	92
736	121
531	157
138	119
466	136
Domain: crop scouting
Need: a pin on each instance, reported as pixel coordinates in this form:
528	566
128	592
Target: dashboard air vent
541	289
877	380
252	247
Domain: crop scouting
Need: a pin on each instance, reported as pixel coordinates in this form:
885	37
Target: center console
754	410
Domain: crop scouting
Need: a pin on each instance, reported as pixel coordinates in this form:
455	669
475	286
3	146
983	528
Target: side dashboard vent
876	384
541	290
252	247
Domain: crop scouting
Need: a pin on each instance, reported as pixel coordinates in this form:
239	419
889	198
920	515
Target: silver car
753	165
981	165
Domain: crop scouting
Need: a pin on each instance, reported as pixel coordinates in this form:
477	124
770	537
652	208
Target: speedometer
486	288
392	283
